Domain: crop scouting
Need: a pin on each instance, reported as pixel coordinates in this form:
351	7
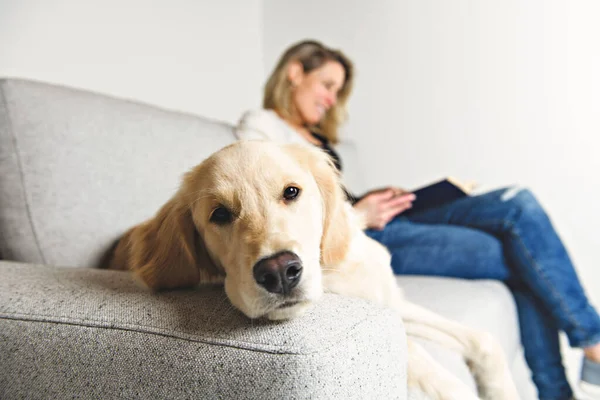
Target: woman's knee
520	197
523	204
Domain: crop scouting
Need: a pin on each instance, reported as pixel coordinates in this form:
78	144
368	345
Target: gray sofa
76	170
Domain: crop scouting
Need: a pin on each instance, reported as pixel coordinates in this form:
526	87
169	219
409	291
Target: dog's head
263	216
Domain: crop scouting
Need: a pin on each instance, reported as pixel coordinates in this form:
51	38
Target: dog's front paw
490	369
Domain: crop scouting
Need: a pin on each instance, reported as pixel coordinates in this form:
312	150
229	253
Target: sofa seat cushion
482	304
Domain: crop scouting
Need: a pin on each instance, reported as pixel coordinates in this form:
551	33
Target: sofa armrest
68	332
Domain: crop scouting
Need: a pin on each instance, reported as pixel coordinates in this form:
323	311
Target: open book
439	193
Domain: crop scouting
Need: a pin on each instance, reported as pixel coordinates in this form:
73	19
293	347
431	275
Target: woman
503	235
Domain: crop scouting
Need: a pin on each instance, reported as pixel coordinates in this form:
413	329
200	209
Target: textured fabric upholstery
353	176
80	168
77	332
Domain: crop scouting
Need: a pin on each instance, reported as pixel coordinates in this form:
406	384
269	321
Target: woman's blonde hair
311	55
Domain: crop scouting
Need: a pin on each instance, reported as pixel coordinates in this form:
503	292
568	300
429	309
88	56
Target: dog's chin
258	304
288	311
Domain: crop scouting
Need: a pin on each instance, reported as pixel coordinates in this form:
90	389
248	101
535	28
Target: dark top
336	161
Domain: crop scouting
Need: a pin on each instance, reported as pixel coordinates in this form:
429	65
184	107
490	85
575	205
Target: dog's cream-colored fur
181	247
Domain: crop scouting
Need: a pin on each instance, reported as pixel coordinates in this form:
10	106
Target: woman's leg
541	345
454	251
534	252
442	250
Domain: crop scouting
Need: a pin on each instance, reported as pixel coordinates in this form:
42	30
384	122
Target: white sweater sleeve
260	124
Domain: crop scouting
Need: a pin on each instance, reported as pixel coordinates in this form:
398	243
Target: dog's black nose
279	273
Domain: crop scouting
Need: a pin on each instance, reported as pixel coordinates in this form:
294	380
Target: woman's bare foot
592	353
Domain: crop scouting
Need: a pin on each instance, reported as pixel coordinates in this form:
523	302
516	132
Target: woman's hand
380	206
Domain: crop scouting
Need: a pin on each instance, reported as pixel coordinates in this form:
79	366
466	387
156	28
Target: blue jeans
504	235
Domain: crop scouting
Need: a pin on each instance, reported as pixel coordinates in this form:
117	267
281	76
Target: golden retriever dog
271	221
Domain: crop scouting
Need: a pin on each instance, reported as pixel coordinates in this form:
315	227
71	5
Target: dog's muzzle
278	273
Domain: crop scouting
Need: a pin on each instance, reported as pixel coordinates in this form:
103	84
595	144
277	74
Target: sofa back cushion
77	169
353	176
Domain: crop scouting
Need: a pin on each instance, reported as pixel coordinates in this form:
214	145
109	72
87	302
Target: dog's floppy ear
335	241
167	252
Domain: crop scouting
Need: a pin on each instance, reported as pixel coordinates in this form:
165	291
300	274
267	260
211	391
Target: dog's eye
291	192
221	216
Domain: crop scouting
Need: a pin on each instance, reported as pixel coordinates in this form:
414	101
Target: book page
466	187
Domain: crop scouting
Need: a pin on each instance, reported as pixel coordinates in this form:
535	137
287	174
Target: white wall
203	57
498	92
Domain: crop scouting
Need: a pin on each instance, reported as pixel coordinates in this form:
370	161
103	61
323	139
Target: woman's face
316	91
